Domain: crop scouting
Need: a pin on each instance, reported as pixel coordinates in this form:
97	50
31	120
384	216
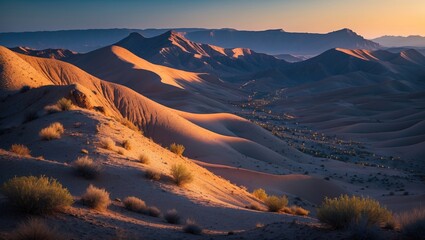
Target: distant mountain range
270	41
399	41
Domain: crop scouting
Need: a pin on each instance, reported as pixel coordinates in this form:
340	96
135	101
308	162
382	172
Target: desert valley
196	133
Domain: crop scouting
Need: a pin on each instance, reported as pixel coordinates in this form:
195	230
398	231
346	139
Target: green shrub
192	227
181	175
342	211
86	167
153	175
177	149
97	198
20	149
53	131
260	194
64	104
135	204
144	159
35	229
275	203
37	194
172	216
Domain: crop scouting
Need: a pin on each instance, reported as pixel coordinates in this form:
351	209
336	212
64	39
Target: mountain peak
345	31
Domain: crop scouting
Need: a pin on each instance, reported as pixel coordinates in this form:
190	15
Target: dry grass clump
192	227
342	211
275	203
53	131
126	144
87	168
107	143
20	149
260	194
172	216
97	198
181	174
37	195
144	159
412	223
154	211
35	229
255	206
177	149
130	125
135	204
153	175
295	210
64	104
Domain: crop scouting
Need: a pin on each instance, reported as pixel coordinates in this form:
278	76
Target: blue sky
368	17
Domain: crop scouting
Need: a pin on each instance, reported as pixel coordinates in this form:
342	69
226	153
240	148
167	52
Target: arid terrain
320	125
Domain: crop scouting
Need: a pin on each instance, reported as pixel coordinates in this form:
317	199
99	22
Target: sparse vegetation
295	210
51	109
86	167
192	227
35	229
107	143
24	89
37	195
20	149
275	203
144	159
64	104
412	223
53	131
130	125
172	216
154	212
135	204
342	211
260	194
153	175
181	174
96	198
126	144
255	206
177	149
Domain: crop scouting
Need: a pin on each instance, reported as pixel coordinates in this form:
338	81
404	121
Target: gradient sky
370	18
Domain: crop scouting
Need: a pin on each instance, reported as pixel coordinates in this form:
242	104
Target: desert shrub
260	194
126	144
255	206
172	216
135	204
192	227
412	223
53	131
96	198
107	143
275	203
64	104
153	175
51	109
35	229
300	211
181	174
86	167
30	116
24	89
130	125
177	149
144	159
342	211
154	211
20	149
362	231
37	194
